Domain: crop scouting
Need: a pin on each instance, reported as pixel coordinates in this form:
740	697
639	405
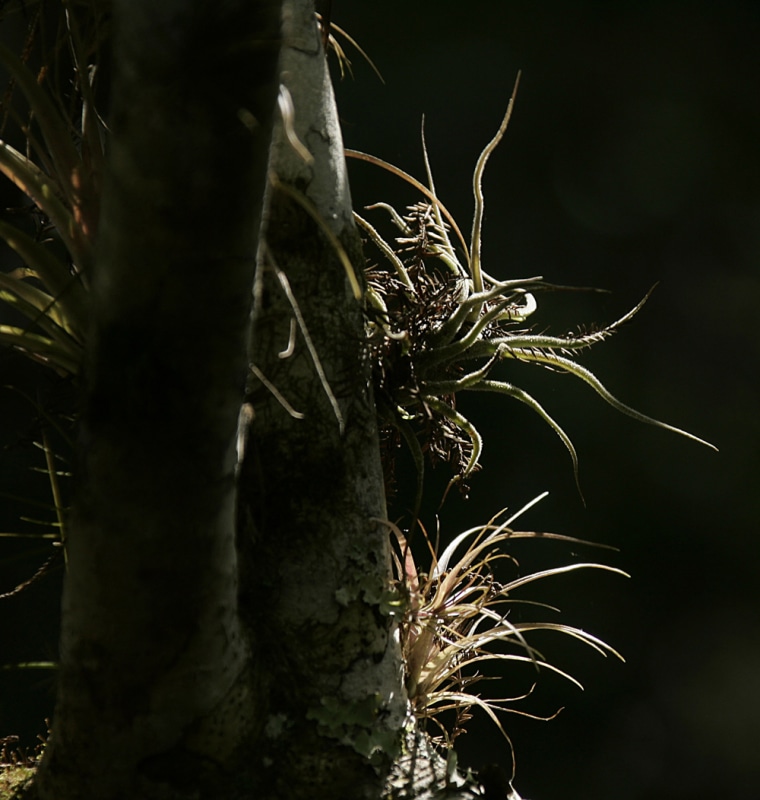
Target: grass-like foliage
60	173
440	323
59	170
454	622
437	325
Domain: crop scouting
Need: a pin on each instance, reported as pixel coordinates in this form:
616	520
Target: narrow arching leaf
68	295
42	191
54	128
568	365
41	349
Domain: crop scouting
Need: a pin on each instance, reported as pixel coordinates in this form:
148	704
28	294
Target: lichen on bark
311	488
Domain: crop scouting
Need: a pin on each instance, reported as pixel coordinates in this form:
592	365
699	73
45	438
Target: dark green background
632	158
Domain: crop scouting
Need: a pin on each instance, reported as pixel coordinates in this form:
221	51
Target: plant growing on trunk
441	323
194	630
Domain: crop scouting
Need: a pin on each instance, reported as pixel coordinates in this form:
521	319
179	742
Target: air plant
439	323
60	173
454	621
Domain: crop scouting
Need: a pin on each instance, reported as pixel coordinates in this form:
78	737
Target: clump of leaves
60	173
439	323
50	100
454	621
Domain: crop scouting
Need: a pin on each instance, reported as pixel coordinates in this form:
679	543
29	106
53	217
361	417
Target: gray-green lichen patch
356	724
276	725
367	587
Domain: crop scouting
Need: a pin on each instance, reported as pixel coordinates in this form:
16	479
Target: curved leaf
66	290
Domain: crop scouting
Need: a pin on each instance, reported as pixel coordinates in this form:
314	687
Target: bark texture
155	693
219	644
311	480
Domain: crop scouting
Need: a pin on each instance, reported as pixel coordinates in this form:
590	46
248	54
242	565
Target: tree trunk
312	487
154	664
223	628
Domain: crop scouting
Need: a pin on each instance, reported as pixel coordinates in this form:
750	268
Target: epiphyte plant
454	622
61	175
440	323
53	234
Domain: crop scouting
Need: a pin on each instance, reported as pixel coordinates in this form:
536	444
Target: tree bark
223	626
154	664
312	487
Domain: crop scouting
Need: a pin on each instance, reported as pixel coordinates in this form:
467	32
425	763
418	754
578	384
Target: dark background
631	159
